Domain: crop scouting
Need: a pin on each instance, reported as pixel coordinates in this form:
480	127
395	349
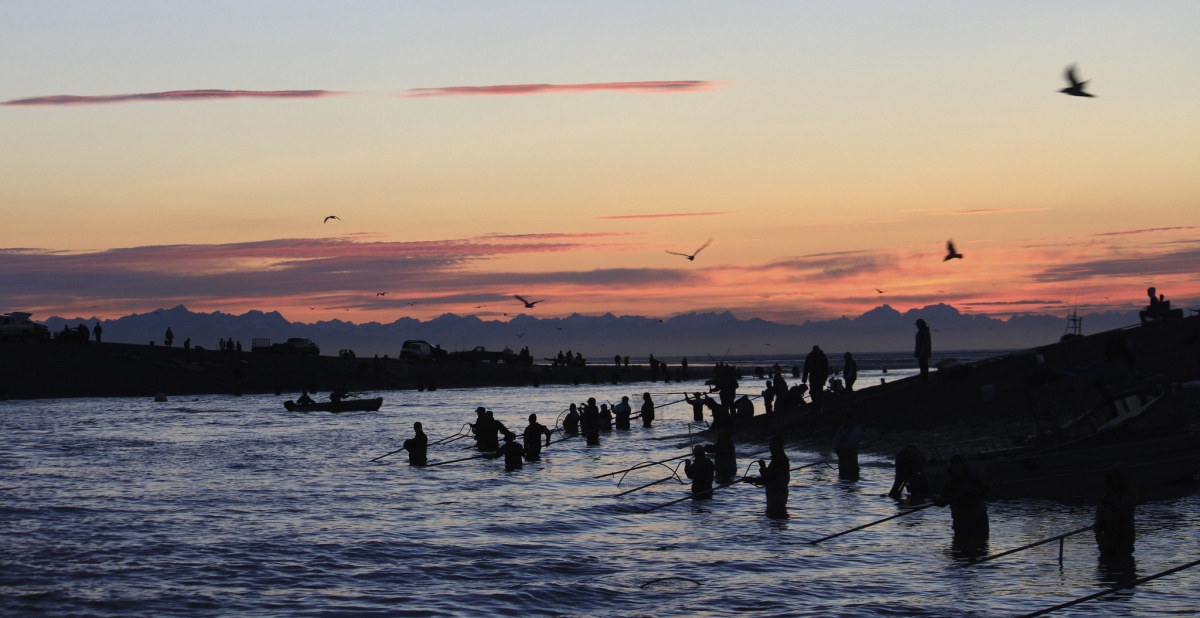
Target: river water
224	506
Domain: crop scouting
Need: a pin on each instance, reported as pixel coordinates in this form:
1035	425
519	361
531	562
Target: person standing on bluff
816	373
924	349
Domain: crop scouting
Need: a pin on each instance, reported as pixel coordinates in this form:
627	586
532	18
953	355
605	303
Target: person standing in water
623	411
701	470
775	478
647	410
417	447
533	438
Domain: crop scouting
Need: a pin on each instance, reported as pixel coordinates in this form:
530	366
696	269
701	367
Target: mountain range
882	329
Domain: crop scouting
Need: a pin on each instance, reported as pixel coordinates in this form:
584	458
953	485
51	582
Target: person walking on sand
924	349
816	373
849	371
97	330
647	410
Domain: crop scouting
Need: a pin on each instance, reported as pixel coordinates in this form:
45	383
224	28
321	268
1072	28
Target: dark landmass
51	369
998	401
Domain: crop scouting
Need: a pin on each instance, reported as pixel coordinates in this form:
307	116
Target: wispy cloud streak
674	215
173	95
526	89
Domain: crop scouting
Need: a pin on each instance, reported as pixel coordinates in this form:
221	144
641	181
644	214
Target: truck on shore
294	345
17	325
480	354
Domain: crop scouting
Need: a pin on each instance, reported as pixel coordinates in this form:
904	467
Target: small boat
345	405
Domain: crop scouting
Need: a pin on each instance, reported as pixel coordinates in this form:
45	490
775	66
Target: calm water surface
231	506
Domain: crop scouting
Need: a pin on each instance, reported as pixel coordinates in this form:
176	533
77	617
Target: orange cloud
523	89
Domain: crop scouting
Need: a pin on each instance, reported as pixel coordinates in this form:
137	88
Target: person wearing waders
701	470
533	438
775	478
647	410
417	447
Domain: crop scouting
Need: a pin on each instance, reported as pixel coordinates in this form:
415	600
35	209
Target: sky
162	153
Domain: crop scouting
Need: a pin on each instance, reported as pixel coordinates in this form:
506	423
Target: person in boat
338	394
417	447
910	474
966	494
606	417
533	438
724	456
647	412
590	422
697	403
623	411
816	373
701	470
845	446
304	399
512	452
571	421
1114	526
745	409
775	476
849	371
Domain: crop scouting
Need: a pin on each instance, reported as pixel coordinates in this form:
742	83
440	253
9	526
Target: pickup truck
480	353
294	345
17	325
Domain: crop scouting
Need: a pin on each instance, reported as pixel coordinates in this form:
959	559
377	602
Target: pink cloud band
522	89
174	95
665	215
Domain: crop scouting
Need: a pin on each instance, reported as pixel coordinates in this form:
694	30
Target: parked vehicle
416	349
17	325
294	345
480	353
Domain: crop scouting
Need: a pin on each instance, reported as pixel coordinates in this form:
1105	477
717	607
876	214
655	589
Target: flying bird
381	293
528	305
1076	88
331	217
879	290
951	253
692	257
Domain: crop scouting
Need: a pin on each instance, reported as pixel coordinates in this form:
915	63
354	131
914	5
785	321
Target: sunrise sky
163	153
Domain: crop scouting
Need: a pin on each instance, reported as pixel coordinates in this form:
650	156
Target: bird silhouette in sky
528	305
331	217
381	293
951	252
692	256
1076	87
411	304
879	290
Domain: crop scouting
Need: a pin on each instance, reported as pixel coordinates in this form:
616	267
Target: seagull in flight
951	252
1076	88
879	290
528	305
692	257
331	217
381	293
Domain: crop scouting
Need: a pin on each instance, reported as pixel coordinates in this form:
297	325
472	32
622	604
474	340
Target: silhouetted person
966	494
338	394
768	396
512	452
571	421
845	446
533	438
924	349
724	456
590	422
910	474
701	470
169	338
97	331
647	412
816	373
304	399
849	371
1114	525
417	447
775	478
606	417
623	412
697	406
744	408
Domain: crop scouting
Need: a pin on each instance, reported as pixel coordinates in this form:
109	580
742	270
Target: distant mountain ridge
882	329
